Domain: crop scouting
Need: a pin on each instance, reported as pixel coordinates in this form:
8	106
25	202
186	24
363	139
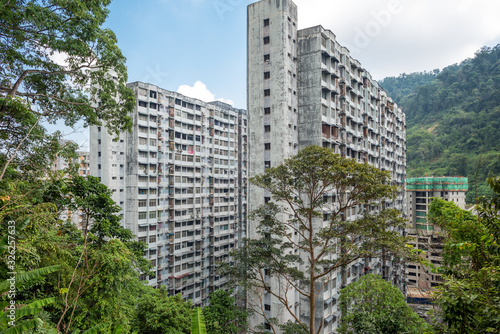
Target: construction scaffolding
437	184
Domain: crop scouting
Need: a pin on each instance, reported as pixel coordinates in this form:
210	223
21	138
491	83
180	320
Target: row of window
267	22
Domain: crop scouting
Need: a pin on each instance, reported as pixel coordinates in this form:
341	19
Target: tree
222	316
57	63
312	195
469	299
93	198
157	313
374	306
105	288
108	264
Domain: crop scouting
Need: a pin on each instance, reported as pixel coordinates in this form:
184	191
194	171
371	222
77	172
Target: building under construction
420	192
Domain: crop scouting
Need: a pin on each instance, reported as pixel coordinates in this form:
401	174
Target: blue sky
199	46
178	42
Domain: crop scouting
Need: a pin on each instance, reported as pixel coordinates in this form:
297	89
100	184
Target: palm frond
26	276
198	322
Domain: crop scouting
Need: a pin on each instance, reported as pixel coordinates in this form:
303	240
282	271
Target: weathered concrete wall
278	92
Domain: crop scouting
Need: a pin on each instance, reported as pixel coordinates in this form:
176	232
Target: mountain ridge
453	119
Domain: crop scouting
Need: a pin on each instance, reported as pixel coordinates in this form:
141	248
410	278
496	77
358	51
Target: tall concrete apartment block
272	103
180	178
304	88
420	191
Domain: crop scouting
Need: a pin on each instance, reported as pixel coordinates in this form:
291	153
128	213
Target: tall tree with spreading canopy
296	218
57	63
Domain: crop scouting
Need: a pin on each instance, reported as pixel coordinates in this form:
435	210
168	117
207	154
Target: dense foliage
375	306
98	280
469	300
157	313
453	117
222	315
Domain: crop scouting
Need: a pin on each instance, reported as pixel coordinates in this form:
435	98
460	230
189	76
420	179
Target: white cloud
420	35
200	91
59	58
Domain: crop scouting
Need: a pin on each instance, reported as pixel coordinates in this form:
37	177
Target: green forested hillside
453	119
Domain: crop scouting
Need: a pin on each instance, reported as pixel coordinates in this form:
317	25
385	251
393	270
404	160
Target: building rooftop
444	183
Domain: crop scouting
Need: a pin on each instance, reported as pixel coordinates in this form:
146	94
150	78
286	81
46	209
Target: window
267	307
266	40
267	57
267	128
266	22
267	75
267	92
152	214
267	111
142	203
142	215
152	238
267	146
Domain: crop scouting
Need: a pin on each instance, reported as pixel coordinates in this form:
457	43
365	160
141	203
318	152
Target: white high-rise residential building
304	88
180	178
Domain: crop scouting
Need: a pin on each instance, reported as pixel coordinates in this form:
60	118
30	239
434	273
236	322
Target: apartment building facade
420	192
180	178
304	88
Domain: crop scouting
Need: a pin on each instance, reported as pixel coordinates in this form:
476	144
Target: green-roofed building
420	191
